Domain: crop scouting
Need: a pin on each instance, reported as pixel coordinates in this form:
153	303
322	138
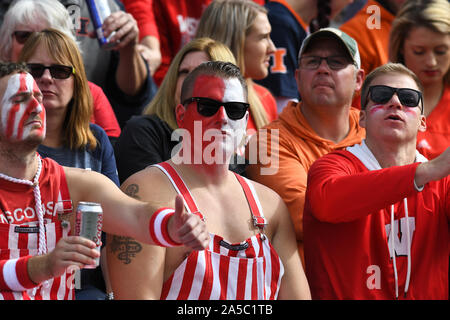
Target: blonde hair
163	104
230	21
63	49
431	14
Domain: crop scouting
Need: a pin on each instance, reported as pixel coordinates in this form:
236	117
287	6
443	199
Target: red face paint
21	111
210	136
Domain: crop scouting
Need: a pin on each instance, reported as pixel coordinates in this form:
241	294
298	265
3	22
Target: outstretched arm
433	170
129	217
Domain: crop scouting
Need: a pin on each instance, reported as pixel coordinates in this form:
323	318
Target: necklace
38	206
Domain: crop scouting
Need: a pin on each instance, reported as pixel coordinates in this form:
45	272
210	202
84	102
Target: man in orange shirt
324	121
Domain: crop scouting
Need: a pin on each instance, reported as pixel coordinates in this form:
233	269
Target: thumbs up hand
187	229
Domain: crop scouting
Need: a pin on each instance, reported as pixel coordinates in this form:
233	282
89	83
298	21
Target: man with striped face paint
39	253
252	251
22	113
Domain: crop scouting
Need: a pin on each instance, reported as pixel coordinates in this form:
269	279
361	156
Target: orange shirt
370	27
299	146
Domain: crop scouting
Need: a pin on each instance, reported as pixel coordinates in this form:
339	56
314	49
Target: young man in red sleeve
376	215
38	254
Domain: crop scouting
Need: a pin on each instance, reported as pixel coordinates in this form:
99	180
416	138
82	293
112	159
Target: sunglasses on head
22	36
382	94
208	107
57	71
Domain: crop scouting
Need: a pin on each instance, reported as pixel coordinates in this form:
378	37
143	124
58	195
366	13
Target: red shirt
19	233
436	138
103	113
346	230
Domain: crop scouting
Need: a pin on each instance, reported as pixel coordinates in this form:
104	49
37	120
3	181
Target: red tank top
249	270
19	230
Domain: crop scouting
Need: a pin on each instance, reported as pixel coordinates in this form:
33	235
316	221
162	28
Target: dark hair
323	16
7	68
225	70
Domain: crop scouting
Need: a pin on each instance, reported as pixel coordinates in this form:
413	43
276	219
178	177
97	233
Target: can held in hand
88	224
99	10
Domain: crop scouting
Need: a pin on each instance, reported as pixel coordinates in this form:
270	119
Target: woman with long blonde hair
244	27
146	139
420	39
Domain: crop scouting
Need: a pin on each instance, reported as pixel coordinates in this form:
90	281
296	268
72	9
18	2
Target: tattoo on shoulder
125	248
132	190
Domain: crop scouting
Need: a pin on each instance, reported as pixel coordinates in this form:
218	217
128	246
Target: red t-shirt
103	114
436	138
347	223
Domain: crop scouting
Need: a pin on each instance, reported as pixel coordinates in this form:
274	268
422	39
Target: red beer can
89	221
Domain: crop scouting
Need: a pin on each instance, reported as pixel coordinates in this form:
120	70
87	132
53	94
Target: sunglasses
334	62
382	94
208	107
57	71
22	36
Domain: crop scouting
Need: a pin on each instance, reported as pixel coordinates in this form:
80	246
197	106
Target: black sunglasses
208	107
57	71
382	94
22	36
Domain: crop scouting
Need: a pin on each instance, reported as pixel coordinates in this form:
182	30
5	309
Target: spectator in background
244	27
376	215
327	77
166	26
420	39
291	21
121	71
56	64
149	47
147	139
370	27
25	17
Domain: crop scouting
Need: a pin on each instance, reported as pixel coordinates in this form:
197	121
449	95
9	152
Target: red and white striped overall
19	233
250	270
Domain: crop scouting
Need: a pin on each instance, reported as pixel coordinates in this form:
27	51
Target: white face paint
21	112
236	128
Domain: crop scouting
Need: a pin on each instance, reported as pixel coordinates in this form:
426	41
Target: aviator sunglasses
208	107
382	94
57	71
22	36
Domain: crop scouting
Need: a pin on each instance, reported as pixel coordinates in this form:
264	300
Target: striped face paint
21	112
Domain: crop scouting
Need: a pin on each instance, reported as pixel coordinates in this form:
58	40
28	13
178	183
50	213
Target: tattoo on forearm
125	248
132	190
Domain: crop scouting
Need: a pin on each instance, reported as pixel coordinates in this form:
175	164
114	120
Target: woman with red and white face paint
420	39
252	262
22	113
